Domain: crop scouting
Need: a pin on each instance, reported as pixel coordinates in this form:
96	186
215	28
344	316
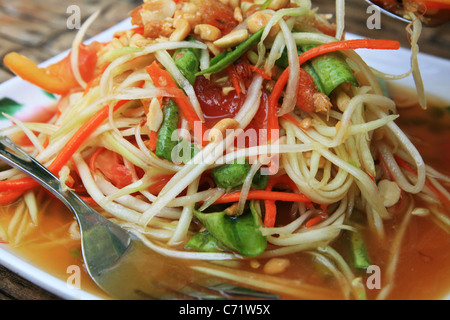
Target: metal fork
117	260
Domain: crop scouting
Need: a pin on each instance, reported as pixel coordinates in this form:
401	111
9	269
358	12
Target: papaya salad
247	134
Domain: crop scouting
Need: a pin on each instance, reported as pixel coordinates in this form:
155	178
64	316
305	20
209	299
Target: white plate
435	73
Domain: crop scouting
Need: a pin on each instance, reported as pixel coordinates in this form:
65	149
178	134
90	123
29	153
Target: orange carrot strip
291	119
153	140
270	206
234	80
263	195
313	221
260	72
405	165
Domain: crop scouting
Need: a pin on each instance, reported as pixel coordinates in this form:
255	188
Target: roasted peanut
232	39
157	10
259	20
182	30
207	32
276	265
305	124
189	7
155	115
238	15
218	132
390	192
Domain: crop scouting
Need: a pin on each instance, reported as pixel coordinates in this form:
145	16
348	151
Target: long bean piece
227	58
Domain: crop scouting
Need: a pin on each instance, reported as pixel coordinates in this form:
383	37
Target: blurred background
38	30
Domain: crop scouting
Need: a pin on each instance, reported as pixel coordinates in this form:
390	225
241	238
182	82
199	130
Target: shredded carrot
153	140
263	195
326	48
270	206
291	119
445	201
260	72
313	221
234	79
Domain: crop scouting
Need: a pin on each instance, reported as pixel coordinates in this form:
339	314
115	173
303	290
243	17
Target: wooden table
38	29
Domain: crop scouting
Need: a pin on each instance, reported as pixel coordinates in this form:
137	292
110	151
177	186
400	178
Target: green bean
188	61
332	70
165	143
360	254
229	57
266	4
219	57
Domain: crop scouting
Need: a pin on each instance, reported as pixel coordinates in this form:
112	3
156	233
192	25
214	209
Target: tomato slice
216	105
306	90
216	13
108	163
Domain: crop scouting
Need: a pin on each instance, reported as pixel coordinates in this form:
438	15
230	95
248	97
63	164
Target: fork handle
26	163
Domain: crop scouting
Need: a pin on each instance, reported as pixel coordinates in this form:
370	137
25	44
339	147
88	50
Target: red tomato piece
306	91
108	162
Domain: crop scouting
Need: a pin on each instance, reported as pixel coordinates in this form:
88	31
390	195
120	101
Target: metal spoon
427	21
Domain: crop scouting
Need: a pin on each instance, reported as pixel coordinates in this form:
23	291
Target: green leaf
49	94
188	61
231	175
237	233
260	181
204	242
165	143
9	106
